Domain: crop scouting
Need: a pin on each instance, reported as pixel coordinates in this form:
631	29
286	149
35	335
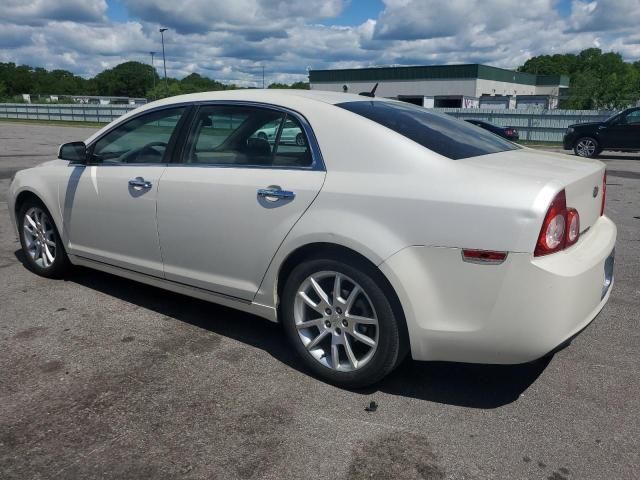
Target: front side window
438	132
143	139
231	135
632	118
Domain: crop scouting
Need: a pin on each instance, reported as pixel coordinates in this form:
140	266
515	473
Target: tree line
598	80
129	79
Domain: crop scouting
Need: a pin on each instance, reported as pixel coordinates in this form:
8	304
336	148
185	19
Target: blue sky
231	40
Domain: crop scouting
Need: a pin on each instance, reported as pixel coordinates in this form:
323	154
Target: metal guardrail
65	112
537	125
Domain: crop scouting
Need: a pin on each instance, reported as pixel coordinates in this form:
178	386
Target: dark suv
619	132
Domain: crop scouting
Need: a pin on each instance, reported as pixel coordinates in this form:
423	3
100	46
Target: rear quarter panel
383	192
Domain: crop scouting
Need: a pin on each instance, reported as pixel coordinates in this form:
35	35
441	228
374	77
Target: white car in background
394	230
291	133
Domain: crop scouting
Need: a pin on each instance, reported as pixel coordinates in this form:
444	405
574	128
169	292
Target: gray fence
69	113
536	125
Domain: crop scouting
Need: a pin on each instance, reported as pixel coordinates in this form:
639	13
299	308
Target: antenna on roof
371	94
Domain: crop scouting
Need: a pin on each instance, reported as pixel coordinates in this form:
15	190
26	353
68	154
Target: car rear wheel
300	140
587	147
340	321
41	243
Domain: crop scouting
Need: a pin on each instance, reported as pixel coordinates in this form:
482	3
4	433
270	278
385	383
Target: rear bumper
514	312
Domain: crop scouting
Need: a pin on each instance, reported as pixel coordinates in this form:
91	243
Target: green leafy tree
295	85
598	80
129	79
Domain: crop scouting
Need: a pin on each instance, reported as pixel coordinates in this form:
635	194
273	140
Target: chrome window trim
317	161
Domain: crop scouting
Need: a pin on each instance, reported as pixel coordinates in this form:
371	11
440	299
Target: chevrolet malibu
388	230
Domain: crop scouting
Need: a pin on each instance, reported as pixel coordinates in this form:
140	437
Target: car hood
52	163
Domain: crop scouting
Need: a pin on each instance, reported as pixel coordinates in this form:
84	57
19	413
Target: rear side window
438	132
242	136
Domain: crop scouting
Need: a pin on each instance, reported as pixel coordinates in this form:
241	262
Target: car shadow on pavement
463	384
468	385
613	156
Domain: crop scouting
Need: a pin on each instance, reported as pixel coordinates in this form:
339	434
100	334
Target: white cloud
604	15
36	12
263	17
424	19
231	41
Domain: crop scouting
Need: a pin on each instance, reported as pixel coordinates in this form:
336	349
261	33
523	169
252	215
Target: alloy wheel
586	147
336	321
39	237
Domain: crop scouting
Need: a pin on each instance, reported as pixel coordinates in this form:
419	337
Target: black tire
392	344
587	147
300	140
60	264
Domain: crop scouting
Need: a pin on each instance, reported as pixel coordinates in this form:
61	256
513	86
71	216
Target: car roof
285	97
302	101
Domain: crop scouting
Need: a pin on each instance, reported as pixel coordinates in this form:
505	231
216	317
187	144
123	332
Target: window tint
293	150
247	136
632	117
439	132
141	140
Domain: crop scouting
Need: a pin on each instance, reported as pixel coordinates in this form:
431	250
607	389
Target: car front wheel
41	243
339	319
586	147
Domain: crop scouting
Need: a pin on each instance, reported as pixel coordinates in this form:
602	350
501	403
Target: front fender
44	186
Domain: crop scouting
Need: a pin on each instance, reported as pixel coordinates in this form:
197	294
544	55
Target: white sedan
290	133
389	230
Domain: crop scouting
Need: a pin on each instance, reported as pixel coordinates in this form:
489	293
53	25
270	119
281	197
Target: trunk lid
580	177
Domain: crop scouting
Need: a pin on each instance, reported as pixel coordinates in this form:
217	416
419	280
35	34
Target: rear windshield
439	132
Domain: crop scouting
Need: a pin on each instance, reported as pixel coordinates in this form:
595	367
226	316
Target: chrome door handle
275	194
140	182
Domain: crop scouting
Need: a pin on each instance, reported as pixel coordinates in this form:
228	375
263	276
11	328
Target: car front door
109	204
624	131
226	208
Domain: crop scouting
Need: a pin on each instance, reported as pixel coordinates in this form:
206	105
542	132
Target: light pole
153	68
164	61
263	77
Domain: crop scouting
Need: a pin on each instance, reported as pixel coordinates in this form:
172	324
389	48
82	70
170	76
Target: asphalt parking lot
101	377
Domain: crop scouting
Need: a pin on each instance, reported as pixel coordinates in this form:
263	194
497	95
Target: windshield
438	132
613	116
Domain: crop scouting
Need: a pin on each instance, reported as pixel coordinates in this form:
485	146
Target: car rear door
109	205
224	210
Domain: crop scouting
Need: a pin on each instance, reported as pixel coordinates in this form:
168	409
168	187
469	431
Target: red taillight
552	233
560	228
573	226
604	192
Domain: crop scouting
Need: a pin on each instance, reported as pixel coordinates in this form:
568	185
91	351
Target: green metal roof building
456	86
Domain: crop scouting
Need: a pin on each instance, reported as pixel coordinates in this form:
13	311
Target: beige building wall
393	89
492	87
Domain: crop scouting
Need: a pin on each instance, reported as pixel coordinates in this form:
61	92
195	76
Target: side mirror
73	151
